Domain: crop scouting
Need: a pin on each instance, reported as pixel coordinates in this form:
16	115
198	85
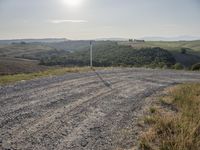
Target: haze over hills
111	39
154	38
175	38
58	40
45	40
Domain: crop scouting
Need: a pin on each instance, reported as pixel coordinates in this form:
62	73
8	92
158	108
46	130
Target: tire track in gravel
29	116
94	120
93	84
50	90
45	83
44	96
71	116
58	114
6	97
78	111
84	99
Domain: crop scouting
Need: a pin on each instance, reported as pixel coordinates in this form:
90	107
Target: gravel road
79	111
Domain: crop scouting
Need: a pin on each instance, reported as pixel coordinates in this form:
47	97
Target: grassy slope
178	127
193	45
9	66
192	56
193	52
17	50
174	45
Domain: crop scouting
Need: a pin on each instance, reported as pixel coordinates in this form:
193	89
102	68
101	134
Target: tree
130	40
183	50
196	67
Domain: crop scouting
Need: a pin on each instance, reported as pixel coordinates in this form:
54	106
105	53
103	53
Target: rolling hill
191	57
47	40
106	53
9	66
194	46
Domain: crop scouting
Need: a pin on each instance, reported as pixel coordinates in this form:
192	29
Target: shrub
169	130
178	66
152	110
196	67
183	50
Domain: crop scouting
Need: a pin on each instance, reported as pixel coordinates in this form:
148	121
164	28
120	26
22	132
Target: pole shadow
106	83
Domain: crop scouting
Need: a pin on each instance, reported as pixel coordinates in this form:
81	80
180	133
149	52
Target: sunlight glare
73	3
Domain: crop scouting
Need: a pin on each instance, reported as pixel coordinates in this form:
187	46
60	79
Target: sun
73	3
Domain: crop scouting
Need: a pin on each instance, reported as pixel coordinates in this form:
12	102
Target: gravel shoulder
80	110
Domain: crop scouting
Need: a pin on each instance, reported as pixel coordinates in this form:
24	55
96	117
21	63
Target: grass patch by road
175	124
7	79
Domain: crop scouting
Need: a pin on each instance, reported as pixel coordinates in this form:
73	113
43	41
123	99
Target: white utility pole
91	48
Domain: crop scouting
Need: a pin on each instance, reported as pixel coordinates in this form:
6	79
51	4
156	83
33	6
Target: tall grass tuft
177	131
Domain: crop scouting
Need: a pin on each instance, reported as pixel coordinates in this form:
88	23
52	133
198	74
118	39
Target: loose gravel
80	111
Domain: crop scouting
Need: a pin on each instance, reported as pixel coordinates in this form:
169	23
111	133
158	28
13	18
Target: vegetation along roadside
173	123
6	79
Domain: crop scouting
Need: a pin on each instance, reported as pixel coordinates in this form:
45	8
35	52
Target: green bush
196	67
178	66
183	50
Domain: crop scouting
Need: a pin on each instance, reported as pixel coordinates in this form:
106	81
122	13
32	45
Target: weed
152	110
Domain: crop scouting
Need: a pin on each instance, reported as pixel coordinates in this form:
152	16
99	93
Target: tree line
112	54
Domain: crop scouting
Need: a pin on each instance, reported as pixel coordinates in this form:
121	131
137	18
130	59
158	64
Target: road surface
80	111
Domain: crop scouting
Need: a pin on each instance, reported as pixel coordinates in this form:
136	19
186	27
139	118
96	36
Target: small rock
84	143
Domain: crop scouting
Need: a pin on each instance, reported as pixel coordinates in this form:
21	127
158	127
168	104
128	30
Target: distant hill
191	57
69	45
47	40
169	45
106	53
20	50
111	39
177	38
72	46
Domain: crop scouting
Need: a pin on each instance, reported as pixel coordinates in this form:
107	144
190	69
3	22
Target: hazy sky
87	19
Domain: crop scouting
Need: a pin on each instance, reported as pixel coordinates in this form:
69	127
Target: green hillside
17	50
194	46
192	55
106	53
111	54
12	58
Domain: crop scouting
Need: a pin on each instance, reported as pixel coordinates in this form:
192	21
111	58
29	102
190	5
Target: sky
91	19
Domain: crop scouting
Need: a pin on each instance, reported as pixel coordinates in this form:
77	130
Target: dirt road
80	110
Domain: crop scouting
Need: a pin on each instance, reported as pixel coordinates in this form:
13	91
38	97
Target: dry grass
175	130
11	66
51	72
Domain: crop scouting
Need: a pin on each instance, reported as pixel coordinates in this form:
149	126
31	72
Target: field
22	58
91	110
18	50
194	46
10	66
